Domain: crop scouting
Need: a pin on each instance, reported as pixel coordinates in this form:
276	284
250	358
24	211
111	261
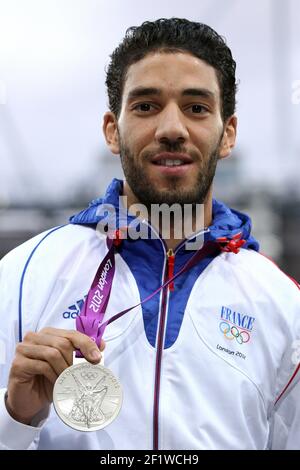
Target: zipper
167	274
169	265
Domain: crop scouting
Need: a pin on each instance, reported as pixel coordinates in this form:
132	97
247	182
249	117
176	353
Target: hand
39	360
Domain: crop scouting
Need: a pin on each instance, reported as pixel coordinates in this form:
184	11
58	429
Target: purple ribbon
90	320
94	307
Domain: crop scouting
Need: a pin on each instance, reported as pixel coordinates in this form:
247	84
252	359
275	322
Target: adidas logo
74	310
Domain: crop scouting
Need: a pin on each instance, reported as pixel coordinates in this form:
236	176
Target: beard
144	190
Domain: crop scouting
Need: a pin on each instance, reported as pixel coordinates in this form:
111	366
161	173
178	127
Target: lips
167	159
172	164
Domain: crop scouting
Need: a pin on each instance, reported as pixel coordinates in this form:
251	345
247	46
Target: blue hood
226	222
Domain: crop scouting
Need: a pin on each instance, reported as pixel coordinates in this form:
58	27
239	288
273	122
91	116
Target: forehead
172	73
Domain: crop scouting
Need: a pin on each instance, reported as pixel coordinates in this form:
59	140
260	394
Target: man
207	362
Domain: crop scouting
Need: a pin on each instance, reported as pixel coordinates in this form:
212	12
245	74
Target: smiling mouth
170	160
170	163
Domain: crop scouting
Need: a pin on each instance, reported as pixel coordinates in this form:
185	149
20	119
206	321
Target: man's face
170	128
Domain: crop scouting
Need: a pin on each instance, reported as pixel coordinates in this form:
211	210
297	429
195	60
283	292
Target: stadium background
53	158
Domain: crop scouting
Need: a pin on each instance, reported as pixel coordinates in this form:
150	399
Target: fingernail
95	354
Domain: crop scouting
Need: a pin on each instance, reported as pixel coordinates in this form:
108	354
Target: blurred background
53	157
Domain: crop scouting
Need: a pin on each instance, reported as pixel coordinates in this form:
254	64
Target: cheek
206	138
137	137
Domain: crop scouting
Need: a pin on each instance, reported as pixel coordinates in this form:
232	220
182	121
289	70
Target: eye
198	109
143	107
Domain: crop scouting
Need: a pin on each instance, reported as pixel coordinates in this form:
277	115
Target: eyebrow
147	91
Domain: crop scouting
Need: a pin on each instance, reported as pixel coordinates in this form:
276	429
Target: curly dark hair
172	35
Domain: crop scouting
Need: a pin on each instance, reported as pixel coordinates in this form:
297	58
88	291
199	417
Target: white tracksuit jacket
189	380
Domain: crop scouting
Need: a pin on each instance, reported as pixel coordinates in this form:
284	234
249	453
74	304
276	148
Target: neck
194	222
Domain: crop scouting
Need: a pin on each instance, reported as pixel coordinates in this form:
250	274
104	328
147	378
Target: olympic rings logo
232	332
89	375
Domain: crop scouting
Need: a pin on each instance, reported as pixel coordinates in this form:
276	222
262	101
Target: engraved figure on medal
87	397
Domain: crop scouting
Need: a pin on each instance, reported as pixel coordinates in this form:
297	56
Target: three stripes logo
74	310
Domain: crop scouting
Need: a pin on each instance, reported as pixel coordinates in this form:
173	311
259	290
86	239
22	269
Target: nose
171	126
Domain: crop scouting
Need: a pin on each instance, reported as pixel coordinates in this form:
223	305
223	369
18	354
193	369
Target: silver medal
87	397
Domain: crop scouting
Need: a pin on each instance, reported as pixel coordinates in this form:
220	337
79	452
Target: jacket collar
226	223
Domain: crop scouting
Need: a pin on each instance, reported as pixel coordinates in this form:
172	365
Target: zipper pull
171	262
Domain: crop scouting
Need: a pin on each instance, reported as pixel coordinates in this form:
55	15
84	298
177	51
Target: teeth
168	162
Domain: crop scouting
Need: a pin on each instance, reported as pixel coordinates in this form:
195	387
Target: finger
62	344
79	341
48	354
26	367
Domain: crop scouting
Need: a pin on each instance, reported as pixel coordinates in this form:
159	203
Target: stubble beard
144	191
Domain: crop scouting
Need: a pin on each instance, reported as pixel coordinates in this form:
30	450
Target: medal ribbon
90	320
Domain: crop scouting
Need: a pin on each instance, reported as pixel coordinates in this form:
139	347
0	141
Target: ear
110	130
229	136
